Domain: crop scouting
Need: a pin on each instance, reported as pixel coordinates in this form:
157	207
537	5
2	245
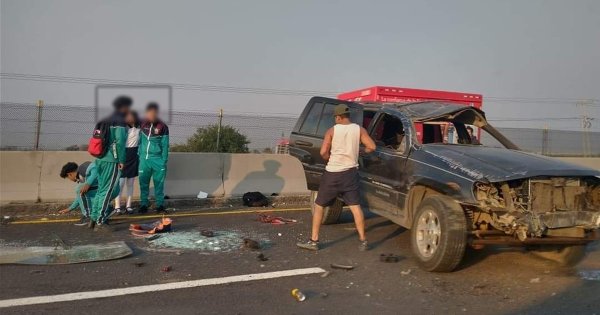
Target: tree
205	140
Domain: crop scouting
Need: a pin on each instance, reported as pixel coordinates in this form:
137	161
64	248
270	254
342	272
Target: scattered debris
389	258
166	269
139	264
251	244
325	274
344	267
279	234
406	272
52	255
36	271
265	218
324	295
261	257
298	295
161	226
255	199
222	241
6	219
153	237
202	195
367	295
534	280
207	233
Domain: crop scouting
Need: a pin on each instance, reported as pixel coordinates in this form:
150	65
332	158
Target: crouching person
86	177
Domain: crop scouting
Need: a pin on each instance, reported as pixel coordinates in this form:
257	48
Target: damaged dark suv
429	174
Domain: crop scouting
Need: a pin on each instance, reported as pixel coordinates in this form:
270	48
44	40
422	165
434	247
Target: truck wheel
332	213
565	255
439	234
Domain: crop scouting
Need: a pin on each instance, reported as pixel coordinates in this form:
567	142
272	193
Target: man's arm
91	175
165	145
366	140
326	146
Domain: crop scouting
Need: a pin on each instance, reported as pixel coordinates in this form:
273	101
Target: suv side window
312	119
327	120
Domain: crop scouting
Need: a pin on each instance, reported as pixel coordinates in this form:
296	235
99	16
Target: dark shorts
336	184
132	160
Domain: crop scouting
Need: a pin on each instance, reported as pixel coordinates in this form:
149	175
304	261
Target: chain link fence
69	128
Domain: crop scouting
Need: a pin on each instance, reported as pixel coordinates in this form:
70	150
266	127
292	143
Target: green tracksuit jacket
154	154
90	177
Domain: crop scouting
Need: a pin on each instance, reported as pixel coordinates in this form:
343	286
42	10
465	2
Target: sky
545	52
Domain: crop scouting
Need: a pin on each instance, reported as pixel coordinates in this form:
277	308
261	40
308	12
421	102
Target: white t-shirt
133	137
344	148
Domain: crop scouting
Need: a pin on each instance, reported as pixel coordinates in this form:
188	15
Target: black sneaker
82	222
129	210
91	224
310	245
143	209
160	209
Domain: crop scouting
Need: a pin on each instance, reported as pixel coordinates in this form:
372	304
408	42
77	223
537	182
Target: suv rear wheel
439	234
331	214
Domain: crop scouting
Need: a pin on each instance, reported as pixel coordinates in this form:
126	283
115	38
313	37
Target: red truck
390	94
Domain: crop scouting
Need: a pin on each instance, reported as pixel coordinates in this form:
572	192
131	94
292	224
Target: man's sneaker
143	209
160	209
82	222
91	224
102	228
129	210
363	246
310	245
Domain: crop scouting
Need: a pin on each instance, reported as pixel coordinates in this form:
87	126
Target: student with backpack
154	154
108	145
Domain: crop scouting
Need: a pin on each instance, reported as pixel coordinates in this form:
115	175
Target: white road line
155	287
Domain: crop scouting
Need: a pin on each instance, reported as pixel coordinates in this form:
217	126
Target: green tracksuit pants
108	190
156	169
85	201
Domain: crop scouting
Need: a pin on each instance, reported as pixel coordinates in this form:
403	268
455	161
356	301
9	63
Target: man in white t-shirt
341	149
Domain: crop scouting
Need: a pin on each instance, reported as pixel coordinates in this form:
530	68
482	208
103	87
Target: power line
260	91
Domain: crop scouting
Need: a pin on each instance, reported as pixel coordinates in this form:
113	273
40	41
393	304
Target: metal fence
69	128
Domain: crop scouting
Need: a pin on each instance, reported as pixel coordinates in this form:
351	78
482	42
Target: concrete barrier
20	175
190	173
28	176
266	173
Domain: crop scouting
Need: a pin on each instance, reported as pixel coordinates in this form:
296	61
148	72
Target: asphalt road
490	281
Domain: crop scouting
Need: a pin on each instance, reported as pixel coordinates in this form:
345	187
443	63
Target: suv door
383	172
307	136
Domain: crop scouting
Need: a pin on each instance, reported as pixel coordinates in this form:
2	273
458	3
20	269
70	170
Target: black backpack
100	140
255	199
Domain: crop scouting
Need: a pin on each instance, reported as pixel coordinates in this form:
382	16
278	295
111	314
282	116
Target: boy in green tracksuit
86	177
110	164
154	154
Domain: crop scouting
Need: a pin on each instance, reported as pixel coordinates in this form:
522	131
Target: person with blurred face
154	154
130	170
110	164
86	177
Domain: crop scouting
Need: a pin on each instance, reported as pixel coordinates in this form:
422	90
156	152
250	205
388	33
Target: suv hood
498	164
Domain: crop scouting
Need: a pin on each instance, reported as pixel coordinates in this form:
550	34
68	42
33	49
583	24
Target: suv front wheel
332	213
439	234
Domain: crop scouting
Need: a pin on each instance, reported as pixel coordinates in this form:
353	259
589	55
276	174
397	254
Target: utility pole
38	127
219	128
586	125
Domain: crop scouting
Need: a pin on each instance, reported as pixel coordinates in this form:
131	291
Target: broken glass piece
49	255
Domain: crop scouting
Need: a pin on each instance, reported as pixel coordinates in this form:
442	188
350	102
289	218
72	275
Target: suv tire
439	234
331	214
565	255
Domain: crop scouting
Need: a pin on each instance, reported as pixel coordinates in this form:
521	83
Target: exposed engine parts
538	207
